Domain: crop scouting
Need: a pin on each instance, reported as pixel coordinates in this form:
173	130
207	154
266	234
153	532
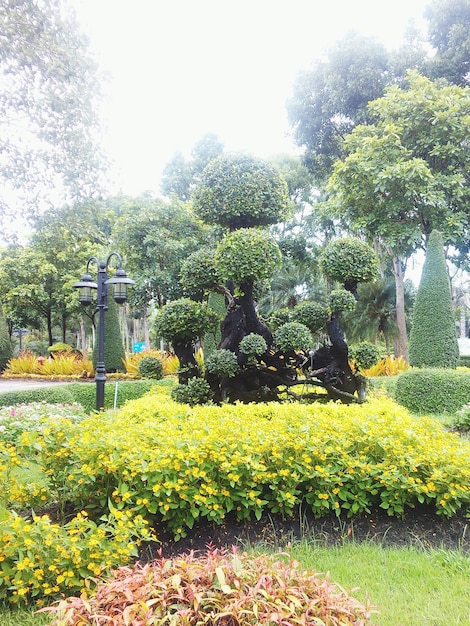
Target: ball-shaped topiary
150	367
240	191
196	391
365	354
253	345
349	261
198	271
247	255
183	321
341	301
222	363
312	314
292	336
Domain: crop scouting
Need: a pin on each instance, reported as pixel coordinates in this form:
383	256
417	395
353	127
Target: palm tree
374	318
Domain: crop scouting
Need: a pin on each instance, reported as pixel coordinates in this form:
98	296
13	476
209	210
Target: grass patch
408	585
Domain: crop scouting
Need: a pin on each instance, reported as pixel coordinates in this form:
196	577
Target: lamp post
86	288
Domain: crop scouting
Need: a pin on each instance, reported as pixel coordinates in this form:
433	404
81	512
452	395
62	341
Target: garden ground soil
420	527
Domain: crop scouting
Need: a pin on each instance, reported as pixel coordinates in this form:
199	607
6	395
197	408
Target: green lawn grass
409	586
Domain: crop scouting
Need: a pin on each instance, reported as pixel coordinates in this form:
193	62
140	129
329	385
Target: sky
178	69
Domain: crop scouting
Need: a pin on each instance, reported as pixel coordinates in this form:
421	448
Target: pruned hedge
83	393
433	390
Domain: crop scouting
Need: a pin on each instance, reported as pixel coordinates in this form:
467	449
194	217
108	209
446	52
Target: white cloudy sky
182	68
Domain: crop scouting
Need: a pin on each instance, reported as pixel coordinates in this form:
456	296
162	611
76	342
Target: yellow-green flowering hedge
178	464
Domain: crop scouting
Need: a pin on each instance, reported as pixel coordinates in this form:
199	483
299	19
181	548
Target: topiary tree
243	195
433	338
114	353
240	191
349	261
183	322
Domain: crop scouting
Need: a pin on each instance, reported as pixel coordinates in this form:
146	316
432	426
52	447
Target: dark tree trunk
188	365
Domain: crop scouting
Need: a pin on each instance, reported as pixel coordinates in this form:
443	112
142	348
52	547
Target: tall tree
433	338
48	105
408	173
449	34
155	240
181	175
329	100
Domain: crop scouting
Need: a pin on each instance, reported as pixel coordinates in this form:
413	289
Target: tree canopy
48	105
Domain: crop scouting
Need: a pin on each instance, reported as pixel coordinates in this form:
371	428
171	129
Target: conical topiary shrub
433	338
113	347
5	342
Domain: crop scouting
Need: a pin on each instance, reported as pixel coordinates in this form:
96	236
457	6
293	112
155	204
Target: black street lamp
87	286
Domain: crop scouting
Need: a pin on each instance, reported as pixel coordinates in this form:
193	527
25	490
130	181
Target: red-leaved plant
220	588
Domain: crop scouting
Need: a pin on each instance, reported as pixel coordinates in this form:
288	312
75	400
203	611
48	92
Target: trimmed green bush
433	338
197	391
5	343
150	367
293	336
253	345
433	390
365	354
114	354
222	363
83	393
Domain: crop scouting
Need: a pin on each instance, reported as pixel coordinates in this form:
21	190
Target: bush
150	367
196	391
365	354
253	345
222	363
292	336
433	390
342	301
312	314
388	366
349	261
180	465
43	559
225	588
114	353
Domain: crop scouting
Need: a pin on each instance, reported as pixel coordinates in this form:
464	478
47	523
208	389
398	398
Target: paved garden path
16	384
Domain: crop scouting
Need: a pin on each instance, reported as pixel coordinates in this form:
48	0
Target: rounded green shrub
150	367
293	336
433	390
341	301
365	354
198	271
196	391
222	363
349	260
240	191
183	321
247	255
312	314
253	345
